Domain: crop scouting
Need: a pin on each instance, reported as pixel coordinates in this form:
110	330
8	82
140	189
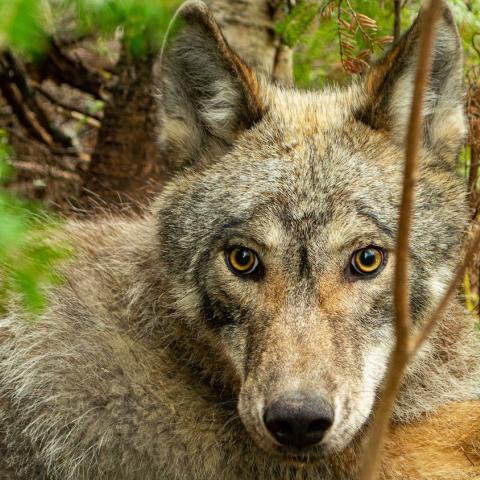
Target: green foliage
144	22
26	25
21	26
27	260
333	38
294	26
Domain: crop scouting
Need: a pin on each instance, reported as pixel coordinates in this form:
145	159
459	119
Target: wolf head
278	226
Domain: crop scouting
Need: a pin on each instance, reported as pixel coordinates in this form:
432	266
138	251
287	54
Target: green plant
27	25
29	256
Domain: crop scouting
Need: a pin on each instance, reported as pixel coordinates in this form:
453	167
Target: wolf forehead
291	163
279	173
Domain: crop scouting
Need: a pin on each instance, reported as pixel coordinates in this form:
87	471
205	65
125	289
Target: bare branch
400	355
283	64
397	25
92	119
61	67
24	116
47	170
282	69
21	98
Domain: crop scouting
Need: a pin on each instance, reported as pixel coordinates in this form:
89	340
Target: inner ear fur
208	94
388	89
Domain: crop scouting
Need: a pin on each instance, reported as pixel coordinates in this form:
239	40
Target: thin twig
62	67
364	33
397	22
47	170
399	359
21	98
339	32
474	44
282	71
93	119
26	118
65	105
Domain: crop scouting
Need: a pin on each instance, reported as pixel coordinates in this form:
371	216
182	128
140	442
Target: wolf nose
299	420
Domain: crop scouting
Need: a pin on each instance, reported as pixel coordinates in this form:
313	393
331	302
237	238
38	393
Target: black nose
299	420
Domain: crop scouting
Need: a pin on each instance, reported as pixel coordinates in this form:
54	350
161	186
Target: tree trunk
125	167
249	26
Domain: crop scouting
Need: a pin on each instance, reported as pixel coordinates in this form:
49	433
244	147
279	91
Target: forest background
78	120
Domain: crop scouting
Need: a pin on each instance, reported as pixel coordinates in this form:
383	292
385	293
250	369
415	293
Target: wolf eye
242	260
367	261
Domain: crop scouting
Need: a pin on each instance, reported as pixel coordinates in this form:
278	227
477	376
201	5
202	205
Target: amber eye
367	261
242	260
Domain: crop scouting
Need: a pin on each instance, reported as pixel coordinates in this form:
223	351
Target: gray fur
153	360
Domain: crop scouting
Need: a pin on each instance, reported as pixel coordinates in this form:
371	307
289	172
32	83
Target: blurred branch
474	44
17	92
283	64
400	356
473	114
46	170
473	179
93	119
61	67
397	22
282	70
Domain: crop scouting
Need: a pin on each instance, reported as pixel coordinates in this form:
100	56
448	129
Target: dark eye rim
356	273
254	272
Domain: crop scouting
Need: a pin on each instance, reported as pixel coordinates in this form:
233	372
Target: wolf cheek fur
155	360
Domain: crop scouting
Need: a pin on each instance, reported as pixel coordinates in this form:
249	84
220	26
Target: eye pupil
367	261
243	256
368	257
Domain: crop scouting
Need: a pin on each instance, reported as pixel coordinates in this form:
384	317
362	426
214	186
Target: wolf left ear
389	89
208	94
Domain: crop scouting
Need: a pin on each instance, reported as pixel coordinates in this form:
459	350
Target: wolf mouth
299	457
299	460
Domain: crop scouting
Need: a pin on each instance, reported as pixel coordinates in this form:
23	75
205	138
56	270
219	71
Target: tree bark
249	26
125	167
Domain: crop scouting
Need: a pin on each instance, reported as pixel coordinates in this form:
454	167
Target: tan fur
444	446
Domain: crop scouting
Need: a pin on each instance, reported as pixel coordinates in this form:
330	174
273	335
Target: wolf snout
299	419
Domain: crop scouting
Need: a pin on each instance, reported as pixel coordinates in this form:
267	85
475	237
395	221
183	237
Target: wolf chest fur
241	327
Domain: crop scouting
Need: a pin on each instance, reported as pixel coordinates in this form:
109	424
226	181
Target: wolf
242	326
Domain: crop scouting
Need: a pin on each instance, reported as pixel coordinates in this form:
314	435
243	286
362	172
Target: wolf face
278	228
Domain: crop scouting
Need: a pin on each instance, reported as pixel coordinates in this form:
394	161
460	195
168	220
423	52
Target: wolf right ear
389	84
208	95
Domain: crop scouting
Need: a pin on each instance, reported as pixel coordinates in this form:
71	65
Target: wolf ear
389	88
208	95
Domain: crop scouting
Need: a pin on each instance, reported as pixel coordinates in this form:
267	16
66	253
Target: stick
399	359
397	25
